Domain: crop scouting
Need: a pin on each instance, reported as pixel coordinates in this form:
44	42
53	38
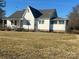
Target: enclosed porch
14	23
3	23
58	25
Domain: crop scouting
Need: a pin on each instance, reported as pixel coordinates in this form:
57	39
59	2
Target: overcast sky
63	7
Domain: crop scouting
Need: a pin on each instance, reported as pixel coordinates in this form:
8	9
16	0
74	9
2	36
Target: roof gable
36	13
45	13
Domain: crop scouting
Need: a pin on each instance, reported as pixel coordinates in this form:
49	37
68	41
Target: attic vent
27	10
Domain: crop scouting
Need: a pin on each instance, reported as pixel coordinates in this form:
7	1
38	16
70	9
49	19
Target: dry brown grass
38	45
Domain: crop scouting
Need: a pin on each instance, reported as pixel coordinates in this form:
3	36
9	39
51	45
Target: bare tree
74	18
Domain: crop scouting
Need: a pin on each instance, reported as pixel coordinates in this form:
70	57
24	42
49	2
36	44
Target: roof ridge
47	9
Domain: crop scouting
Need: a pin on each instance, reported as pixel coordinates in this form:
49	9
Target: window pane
53	22
11	21
5	21
61	22
41	21
15	22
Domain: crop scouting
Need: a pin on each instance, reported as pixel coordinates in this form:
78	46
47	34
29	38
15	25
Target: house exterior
58	24
37	20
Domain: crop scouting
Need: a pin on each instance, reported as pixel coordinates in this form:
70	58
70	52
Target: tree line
73	18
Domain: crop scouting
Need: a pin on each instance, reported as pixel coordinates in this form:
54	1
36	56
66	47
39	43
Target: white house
37	20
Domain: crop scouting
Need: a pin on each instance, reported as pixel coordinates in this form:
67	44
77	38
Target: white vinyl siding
45	25
30	18
58	25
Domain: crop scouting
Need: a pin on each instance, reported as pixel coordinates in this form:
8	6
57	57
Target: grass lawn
38	45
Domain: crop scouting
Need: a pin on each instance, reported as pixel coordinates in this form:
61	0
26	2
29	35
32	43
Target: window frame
61	21
41	21
53	22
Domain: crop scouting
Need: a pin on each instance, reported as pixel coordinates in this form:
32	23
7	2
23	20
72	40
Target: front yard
38	45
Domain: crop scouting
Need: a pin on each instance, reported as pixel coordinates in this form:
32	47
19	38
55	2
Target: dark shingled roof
48	13
17	14
59	18
36	13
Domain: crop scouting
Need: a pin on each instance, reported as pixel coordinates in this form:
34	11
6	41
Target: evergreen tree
2	11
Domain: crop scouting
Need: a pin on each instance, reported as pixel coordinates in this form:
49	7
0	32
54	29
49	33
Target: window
5	22
61	21
11	21
15	22
27	22
53	22
41	21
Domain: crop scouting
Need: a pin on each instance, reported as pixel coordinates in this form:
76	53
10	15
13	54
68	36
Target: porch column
57	21
19	23
64	22
13	22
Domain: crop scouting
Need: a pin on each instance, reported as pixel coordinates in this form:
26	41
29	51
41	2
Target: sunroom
58	25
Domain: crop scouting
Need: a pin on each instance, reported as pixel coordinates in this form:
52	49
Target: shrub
19	29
